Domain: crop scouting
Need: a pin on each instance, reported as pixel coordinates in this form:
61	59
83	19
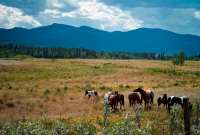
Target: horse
107	96
177	100
91	94
121	97
114	99
151	96
134	97
162	100
145	95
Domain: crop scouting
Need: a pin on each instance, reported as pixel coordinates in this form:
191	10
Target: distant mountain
139	40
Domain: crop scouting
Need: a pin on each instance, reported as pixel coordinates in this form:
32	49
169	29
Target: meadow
50	90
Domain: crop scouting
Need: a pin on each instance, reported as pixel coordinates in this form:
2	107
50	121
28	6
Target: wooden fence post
186	115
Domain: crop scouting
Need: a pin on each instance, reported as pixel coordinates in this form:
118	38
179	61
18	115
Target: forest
10	51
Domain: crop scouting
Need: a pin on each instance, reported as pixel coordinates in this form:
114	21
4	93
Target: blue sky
180	16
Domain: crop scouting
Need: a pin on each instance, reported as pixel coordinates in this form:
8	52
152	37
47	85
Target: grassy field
43	88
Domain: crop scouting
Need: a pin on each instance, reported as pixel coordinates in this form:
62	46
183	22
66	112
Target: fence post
186	115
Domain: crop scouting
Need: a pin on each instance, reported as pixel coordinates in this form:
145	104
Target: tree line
10	50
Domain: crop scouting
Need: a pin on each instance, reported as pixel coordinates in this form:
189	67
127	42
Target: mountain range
139	40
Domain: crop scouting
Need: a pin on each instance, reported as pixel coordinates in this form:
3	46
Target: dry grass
26	81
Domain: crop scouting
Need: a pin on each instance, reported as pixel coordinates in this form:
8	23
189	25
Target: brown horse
133	97
121	101
162	100
145	95
114	99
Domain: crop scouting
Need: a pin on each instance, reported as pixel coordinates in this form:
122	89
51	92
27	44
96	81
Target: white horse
151	96
91	94
107	96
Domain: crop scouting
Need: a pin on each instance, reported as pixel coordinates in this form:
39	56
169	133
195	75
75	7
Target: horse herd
137	96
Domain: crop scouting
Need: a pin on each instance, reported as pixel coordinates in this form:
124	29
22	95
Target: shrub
66	88
102	87
9	87
1	88
127	86
88	87
121	85
46	92
58	89
1	101
175	84
10	104
23	56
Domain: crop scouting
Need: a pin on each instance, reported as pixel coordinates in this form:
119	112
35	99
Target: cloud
34	7
108	16
178	20
197	14
10	17
154	3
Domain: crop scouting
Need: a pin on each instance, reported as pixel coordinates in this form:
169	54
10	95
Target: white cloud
10	17
62	5
108	16
197	14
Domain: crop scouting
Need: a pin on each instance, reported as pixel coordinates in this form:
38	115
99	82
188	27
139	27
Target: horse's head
86	92
165	96
141	91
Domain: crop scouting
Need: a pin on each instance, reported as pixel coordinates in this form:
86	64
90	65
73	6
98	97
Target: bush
10	104
121	85
58	89
1	101
23	56
46	92
66	88
127	86
9	87
102	87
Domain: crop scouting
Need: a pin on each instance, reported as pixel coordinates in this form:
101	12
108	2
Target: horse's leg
88	97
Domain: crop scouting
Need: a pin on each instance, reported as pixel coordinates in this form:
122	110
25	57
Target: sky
180	16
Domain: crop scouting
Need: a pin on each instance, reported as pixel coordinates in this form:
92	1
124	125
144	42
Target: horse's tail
129	98
123	100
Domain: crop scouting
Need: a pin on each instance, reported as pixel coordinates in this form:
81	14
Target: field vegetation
47	90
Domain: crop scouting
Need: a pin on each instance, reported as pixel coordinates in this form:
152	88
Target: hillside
139	40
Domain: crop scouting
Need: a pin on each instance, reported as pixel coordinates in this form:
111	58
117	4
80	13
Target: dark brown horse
114	99
121	101
145	95
134	97
162	100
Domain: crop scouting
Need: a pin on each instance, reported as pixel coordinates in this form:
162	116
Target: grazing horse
121	97
145	95
114	99
91	94
151	96
107	96
177	100
162	100
133	97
